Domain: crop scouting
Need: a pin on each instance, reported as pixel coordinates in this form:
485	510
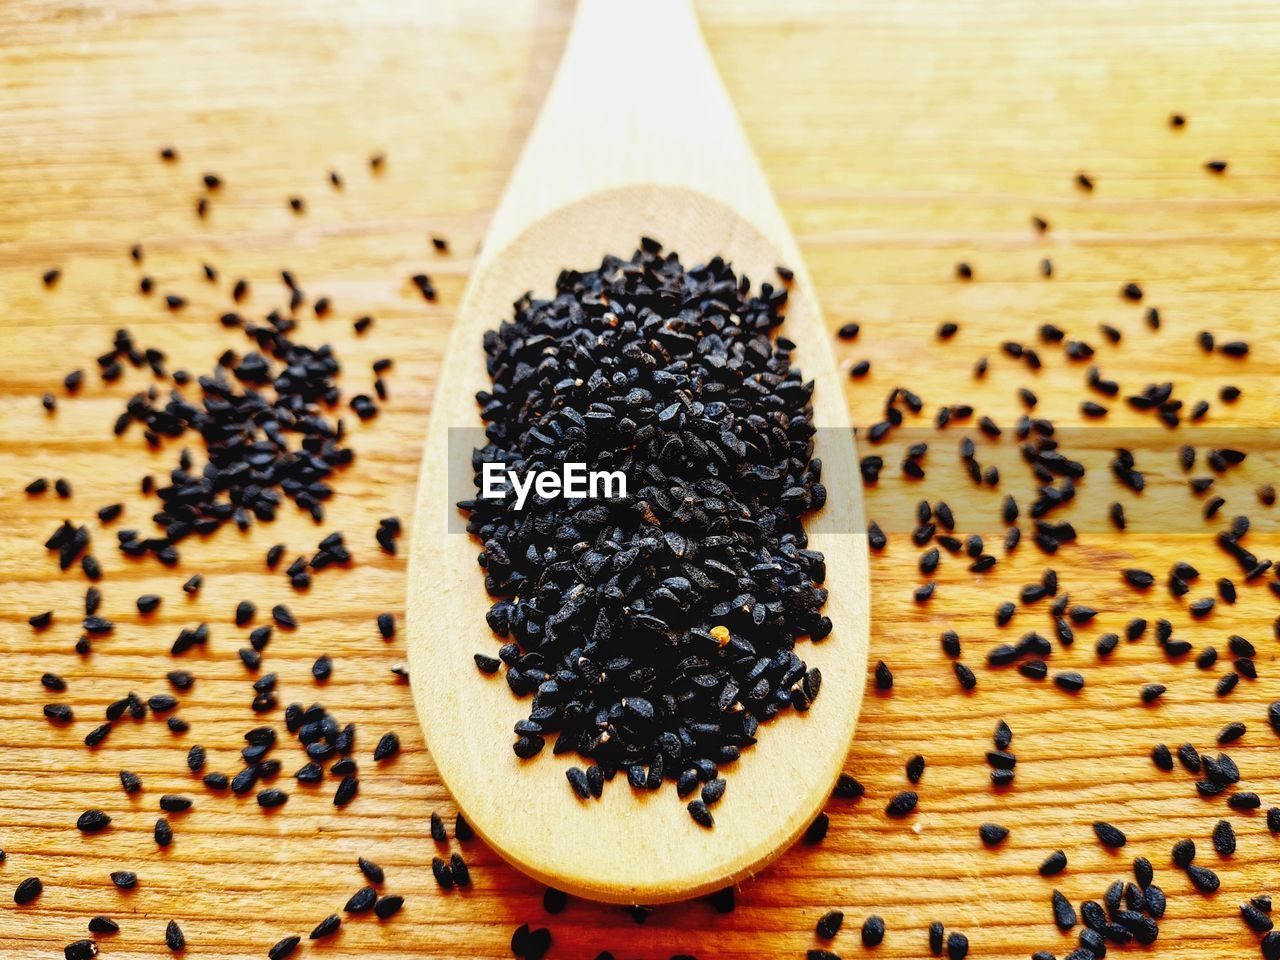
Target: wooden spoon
637	137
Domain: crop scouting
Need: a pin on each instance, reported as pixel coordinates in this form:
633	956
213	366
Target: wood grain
899	139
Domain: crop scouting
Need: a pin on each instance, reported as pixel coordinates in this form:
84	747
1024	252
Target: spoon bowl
630	847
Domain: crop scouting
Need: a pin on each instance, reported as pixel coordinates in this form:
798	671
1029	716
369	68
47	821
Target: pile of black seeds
1129	912
656	631
265	429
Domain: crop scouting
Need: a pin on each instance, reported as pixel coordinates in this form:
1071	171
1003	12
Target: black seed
1224	838
80	950
1001	759
362	900
902	804
1069	680
386	625
388	907
829	924
346	791
1241	648
27	890
51	681
884	677
59	712
701	815
1184	852
992	834
1202	607
713	791
442	872
1203	879
322	668
848	788
387	747
968	680
326	927
936	931
124	879
872	931
103	925
270	799
875	536
1255	919
1244	800
162	702
915	768
1152	692
284	948
92	821
1142	579
1231	732
1053	864
1064	914
553	900
1109	835
458	870
244	612
817	830
1189	758
181	679
174	938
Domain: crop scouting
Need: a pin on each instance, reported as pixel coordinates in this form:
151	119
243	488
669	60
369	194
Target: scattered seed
1109	835
174	938
27	891
902	804
872	931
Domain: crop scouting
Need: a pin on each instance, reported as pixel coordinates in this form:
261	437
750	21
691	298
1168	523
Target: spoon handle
636	100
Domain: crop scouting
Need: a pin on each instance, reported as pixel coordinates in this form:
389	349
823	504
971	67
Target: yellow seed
721	634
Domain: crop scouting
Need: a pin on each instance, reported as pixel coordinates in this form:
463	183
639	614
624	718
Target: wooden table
900	139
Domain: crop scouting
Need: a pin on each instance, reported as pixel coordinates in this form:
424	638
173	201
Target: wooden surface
689	177
899	139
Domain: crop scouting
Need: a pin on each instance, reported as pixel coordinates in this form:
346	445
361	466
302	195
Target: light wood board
898	139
